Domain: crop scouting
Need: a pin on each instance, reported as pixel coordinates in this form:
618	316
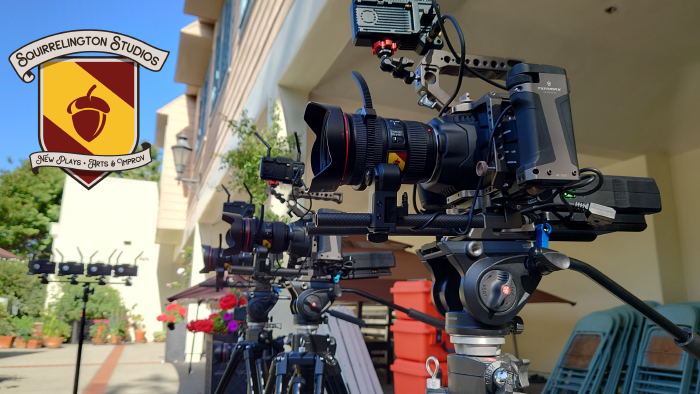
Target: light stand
86	291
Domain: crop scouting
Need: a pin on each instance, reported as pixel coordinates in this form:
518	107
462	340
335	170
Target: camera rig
488	174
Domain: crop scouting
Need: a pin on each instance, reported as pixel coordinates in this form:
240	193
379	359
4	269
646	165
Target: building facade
246	56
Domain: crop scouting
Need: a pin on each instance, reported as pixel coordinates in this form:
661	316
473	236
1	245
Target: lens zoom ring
359	130
417	156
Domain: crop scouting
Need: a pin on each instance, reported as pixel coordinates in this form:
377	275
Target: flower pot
140	336
114	339
34	344
6	341
53	342
96	340
20	343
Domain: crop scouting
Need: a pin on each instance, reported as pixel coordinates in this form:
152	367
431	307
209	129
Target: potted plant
99	331
7	330
54	330
115	335
159	336
35	342
174	313
23	329
139	328
118	325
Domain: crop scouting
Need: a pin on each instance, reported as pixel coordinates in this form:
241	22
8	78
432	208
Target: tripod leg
334	383
280	373
230	368
249	369
297	384
318	375
261	380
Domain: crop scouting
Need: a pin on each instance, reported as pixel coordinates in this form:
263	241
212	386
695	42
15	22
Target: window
245	7
222	51
202	122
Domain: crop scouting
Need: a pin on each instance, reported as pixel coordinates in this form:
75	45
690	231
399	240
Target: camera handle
545	261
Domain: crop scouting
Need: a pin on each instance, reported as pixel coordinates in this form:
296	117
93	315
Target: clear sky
156	22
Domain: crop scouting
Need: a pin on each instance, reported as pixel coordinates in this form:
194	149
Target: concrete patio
129	368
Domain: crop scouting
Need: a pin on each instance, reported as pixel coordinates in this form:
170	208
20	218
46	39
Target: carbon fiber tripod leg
250	370
230	368
319	366
334	383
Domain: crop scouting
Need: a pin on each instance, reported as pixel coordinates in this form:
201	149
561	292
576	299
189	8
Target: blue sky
156	22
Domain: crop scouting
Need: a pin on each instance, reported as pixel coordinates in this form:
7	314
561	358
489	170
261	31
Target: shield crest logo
89	106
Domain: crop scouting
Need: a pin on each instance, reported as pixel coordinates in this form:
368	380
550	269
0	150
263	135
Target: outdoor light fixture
181	153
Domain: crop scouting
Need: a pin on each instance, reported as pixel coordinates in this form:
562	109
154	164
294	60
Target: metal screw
549	172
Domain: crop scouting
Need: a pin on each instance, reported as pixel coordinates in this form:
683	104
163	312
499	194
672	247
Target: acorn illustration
91	115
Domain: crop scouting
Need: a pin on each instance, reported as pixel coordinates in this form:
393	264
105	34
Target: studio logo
88	106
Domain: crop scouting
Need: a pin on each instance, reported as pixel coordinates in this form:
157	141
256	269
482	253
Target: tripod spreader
546	261
412	313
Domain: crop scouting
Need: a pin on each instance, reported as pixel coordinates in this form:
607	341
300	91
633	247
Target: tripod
311	362
259	347
481	286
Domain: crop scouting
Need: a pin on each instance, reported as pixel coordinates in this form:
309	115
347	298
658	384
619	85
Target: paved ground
106	369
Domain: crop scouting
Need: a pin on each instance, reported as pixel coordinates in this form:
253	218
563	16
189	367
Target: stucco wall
102	220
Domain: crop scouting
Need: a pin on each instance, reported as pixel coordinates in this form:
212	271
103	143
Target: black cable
460	75
427	223
454	53
481	178
415	206
601	179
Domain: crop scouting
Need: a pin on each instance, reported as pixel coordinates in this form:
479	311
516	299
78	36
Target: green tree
149	172
24	290
28	205
245	159
100	305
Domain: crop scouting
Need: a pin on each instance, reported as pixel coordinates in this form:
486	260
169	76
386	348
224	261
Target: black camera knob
545	261
517	326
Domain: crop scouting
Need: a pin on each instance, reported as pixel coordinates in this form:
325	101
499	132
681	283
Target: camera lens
347	145
247	233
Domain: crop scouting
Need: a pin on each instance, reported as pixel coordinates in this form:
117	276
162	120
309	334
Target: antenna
262	220
59	252
137	257
269	148
296	137
93	255
227	193
249	193
81	254
110	256
119	255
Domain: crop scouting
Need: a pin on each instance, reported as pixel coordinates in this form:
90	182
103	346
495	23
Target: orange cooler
410	376
417	341
414	294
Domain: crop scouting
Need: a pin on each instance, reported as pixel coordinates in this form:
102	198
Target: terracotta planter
53	342
20	343
96	339
140	336
114	340
6	341
34	344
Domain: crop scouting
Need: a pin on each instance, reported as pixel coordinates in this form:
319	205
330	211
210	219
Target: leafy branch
244	161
